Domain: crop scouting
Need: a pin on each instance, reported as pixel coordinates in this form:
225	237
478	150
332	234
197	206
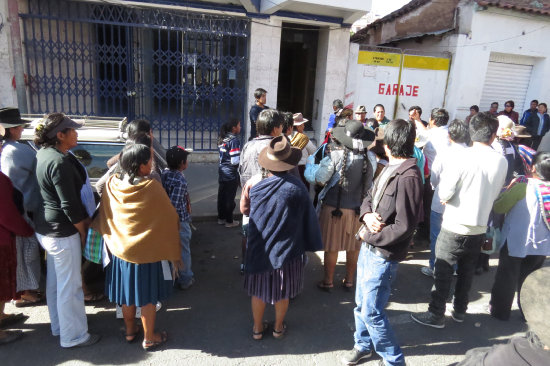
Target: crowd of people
470	188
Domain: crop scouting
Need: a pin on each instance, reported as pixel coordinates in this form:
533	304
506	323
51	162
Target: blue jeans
185	275
375	276
435	227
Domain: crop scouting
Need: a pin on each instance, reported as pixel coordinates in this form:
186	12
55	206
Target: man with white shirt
468	192
459	137
438	139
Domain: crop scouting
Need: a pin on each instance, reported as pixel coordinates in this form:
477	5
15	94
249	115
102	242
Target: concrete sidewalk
202	179
211	323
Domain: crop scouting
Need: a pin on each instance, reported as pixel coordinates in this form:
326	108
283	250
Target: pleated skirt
28	263
136	284
338	233
279	284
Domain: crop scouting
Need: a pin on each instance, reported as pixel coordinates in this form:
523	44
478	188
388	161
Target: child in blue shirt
229	147
175	184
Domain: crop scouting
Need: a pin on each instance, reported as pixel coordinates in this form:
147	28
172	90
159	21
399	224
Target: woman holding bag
346	180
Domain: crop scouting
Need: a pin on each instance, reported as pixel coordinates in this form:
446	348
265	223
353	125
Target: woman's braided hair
132	158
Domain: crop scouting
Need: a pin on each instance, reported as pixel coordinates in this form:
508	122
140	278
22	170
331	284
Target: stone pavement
210	324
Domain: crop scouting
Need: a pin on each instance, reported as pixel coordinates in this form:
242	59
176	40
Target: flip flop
152	345
347	285
21	303
258	336
279	334
12	319
327	287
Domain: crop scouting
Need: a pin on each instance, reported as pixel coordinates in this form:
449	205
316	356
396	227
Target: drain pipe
13	13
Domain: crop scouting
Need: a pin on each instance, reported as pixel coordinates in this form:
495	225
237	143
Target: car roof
95	129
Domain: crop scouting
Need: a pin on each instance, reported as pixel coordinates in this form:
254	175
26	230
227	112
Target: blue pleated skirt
136	284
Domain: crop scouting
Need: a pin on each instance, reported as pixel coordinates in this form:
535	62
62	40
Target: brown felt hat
535	303
279	156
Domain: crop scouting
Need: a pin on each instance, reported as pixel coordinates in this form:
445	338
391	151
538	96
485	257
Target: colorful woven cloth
543	198
527	154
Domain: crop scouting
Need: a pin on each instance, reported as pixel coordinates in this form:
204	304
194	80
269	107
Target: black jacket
400	208
533	122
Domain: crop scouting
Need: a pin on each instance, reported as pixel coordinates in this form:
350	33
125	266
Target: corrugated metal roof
530	6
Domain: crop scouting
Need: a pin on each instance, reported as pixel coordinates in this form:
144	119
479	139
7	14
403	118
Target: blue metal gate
183	71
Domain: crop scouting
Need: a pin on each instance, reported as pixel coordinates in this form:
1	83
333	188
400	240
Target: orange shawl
138	222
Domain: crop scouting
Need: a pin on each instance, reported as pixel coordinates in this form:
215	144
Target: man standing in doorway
260	95
390	212
468	192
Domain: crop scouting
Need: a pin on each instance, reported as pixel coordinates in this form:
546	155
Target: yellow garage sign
379	58
426	62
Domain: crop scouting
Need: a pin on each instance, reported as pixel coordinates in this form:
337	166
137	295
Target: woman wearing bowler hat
18	162
349	177
282	227
11	224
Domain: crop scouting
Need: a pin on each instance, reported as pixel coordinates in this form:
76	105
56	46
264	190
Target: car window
94	156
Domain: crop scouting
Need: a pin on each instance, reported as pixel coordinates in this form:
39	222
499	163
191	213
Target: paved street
210	324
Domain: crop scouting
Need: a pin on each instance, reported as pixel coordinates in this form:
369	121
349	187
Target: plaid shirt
175	185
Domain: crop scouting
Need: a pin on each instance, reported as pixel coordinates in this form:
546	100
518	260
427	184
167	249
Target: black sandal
258	336
279	334
130	338
152	345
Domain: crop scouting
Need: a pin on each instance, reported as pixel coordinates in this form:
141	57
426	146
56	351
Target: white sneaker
221	222
427	271
232	224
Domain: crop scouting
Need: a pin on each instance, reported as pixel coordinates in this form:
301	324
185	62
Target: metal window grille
183	71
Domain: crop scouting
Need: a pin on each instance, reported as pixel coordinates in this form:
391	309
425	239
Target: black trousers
451	249
226	199
511	272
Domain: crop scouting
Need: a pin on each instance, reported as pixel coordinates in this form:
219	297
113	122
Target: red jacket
11	221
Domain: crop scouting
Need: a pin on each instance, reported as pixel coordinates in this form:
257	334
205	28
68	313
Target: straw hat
299	119
521	132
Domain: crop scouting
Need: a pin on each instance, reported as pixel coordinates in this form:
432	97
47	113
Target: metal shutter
505	81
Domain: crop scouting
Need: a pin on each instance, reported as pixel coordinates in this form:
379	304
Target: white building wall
263	66
491	31
8	96
330	81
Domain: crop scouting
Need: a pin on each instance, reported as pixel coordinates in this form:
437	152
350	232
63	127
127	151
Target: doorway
297	68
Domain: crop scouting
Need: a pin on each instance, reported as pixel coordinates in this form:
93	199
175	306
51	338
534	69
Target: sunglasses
507	105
